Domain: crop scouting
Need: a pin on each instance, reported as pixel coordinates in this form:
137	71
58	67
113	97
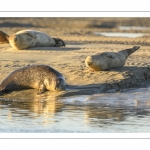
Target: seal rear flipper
59	42
131	50
4	37
41	89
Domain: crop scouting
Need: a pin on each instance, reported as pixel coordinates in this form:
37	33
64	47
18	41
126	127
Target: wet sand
80	42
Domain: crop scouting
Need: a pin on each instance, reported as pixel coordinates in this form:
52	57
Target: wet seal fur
40	77
25	39
109	60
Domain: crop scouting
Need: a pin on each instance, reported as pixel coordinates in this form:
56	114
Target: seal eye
58	83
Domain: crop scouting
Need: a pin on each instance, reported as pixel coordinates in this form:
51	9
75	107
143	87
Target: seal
25	39
109	60
40	77
3	37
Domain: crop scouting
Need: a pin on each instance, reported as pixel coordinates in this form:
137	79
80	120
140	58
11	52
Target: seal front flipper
59	42
41	89
2	91
110	56
31	34
4	37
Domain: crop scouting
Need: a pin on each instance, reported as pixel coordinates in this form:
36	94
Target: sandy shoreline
70	62
80	42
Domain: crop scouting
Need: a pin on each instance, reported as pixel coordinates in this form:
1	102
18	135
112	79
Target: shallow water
133	28
120	34
128	111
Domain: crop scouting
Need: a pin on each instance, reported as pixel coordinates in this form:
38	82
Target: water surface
133	28
128	111
120	34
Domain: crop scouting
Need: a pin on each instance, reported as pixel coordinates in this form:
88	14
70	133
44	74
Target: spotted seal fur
40	77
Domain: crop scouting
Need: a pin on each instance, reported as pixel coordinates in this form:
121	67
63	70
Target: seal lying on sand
25	39
40	77
108	60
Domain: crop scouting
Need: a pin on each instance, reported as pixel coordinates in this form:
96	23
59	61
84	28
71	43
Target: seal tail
131	50
4	37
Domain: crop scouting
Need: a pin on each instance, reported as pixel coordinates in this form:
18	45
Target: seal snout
13	38
88	61
60	84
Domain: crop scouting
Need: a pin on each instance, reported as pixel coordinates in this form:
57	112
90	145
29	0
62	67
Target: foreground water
128	111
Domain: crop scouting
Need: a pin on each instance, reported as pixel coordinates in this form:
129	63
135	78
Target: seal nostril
89	63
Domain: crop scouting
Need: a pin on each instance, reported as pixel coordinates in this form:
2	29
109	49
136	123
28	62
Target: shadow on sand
55	48
133	77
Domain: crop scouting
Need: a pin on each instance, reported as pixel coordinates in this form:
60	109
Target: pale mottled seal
25	39
108	60
40	77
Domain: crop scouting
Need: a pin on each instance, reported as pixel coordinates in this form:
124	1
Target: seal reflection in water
40	77
25	39
108	60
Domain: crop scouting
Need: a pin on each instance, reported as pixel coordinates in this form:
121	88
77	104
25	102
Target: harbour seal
40	77
25	39
108	60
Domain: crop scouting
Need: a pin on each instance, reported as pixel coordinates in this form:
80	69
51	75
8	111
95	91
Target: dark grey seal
40	77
